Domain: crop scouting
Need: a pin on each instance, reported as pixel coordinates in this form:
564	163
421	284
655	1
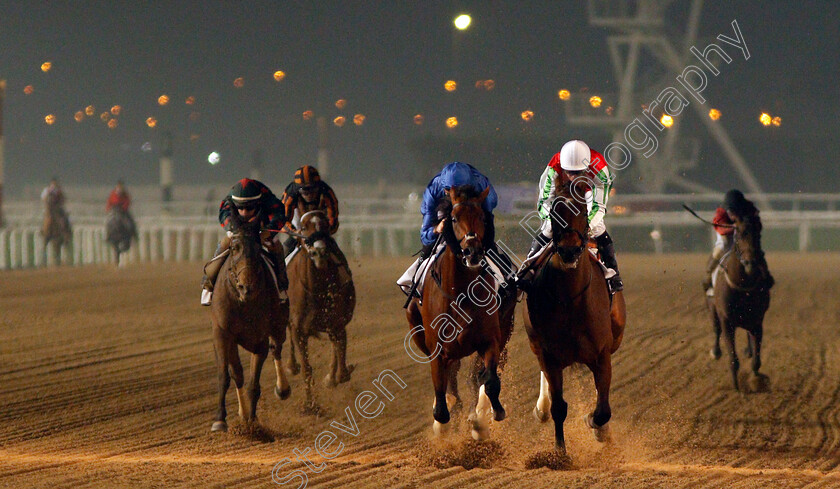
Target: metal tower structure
646	61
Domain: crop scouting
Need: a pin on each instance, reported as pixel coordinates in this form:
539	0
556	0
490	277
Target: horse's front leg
715	351
239	381
559	407
302	343
729	339
758	382
282	389
439	381
221	348
492	384
292	365
541	410
257	361
342	371
597	420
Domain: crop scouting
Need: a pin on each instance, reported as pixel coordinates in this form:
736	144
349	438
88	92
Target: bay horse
455	319
119	232
246	311
741	297
56	227
571	319
320	303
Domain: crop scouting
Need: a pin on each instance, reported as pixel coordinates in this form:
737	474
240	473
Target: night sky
389	60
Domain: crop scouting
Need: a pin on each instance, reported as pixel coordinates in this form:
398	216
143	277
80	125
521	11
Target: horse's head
466	218
245	261
315	231
569	223
747	242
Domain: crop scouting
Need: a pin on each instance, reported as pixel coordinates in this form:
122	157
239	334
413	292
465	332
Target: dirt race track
108	380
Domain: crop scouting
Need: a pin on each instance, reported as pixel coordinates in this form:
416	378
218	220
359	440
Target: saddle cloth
418	271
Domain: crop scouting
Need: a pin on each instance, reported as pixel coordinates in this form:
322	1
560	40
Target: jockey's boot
337	257
607	252
289	245
505	266
275	247
711	264
525	276
211	271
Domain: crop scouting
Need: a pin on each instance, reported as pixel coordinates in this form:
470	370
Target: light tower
2	96
639	32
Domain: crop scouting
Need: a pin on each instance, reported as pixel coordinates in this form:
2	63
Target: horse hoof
440	429
499	414
601	433
540	416
759	383
219	426
329	382
714	353
292	369
282	394
479	430
345	376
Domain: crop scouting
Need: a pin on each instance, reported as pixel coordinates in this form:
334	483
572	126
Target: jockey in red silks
577	159
735	205
52	194
249	198
120	201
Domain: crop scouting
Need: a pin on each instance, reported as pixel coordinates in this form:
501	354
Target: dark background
389	60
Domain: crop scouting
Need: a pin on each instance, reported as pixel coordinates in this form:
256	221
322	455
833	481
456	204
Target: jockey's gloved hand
426	251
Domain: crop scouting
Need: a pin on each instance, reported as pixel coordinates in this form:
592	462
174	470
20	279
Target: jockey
734	205
53	193
307	192
249	198
576	159
453	175
120	200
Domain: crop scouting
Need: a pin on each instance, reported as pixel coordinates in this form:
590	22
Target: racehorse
56	228
320	302
741	297
119	231
460	314
570	317
247	311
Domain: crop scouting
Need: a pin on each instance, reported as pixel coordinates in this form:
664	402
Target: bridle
469	238
234	270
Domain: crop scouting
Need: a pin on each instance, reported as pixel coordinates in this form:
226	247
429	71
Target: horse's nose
468	252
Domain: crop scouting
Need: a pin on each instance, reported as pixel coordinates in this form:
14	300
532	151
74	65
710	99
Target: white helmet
574	156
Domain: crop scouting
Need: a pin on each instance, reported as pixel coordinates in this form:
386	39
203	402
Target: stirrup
206	297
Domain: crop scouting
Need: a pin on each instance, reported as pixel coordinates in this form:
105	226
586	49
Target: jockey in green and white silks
576	158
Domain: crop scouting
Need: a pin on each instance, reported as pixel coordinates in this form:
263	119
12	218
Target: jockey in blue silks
453	175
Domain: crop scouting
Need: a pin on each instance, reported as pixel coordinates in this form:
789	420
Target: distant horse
119	231
56	228
247	311
319	301
741	297
460	314
569	318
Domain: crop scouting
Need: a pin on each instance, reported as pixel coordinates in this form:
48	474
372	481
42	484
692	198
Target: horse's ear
483	195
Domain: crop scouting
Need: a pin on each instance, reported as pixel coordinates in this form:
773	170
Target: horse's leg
492	382
715	351
221	348
453	398
303	351
541	410
257	361
729	339
282	389
238	380
559	407
292	365
344	370
759	382
750	348
439	380
597	420
331	379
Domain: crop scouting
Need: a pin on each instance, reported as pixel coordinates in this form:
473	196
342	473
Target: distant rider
120	201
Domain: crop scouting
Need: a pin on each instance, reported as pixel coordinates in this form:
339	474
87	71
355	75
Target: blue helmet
456	174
